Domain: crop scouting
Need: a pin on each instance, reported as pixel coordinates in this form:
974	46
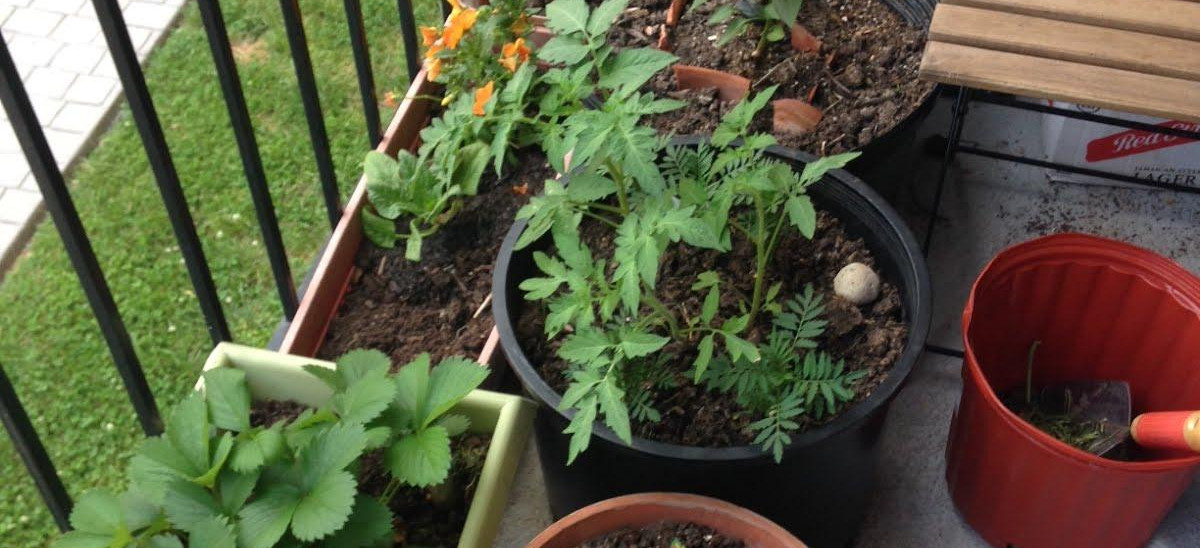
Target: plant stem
1029	373
760	257
775	237
605	207
601	218
733	222
619	179
651	299
762	42
390	491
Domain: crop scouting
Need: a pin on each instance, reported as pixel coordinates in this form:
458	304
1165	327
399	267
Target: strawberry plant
214	480
614	330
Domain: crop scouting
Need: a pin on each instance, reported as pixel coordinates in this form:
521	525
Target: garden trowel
1107	404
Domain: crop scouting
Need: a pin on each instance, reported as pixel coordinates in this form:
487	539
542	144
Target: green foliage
426	190
652	197
214	480
775	18
595	357
791	379
50	344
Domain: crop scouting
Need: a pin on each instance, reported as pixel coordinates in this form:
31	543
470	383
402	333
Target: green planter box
509	419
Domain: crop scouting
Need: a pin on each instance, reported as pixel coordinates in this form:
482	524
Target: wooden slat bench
1139	56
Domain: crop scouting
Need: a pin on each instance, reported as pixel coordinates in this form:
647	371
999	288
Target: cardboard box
1138	153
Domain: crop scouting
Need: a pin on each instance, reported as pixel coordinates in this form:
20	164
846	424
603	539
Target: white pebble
857	283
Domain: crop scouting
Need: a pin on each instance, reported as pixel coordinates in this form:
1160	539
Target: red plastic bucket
1103	310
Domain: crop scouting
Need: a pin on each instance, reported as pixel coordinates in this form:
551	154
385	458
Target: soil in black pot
665	535
864	78
404	308
639	26
870	338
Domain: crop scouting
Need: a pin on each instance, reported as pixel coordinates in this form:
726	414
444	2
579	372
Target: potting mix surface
864	78
404	308
869	338
430	517
665	535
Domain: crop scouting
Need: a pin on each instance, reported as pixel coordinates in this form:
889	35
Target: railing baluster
298	43
116	34
362	63
79	249
33	454
243	131
408	30
445	9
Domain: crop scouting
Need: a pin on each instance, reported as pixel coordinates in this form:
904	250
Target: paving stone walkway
64	63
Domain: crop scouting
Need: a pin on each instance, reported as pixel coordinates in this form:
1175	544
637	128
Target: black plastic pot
821	489
887	160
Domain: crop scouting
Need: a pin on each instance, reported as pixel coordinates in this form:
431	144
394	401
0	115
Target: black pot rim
918	325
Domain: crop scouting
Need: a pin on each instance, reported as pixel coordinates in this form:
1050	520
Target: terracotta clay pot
1102	310
730	87
634	511
802	40
794	116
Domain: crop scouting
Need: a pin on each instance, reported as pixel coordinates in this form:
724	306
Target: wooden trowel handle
1176	430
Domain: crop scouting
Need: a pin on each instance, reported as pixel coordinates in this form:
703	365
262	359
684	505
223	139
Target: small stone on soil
857	283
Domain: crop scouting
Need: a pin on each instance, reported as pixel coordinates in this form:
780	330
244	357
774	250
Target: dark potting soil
864	78
404	308
869	338
268	412
639	26
665	535
431	517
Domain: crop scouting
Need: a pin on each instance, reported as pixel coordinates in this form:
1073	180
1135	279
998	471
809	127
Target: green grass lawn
49	341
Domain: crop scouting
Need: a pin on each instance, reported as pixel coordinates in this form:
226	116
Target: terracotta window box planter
275	376
335	267
821	489
634	511
1103	310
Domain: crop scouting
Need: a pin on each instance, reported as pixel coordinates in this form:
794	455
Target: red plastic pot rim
1151	267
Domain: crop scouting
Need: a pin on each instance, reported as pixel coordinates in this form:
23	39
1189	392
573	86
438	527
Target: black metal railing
61	208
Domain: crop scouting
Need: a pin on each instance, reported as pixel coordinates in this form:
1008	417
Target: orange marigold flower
514	54
455	6
435	68
460	23
389	99
482	96
433	50
429	35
